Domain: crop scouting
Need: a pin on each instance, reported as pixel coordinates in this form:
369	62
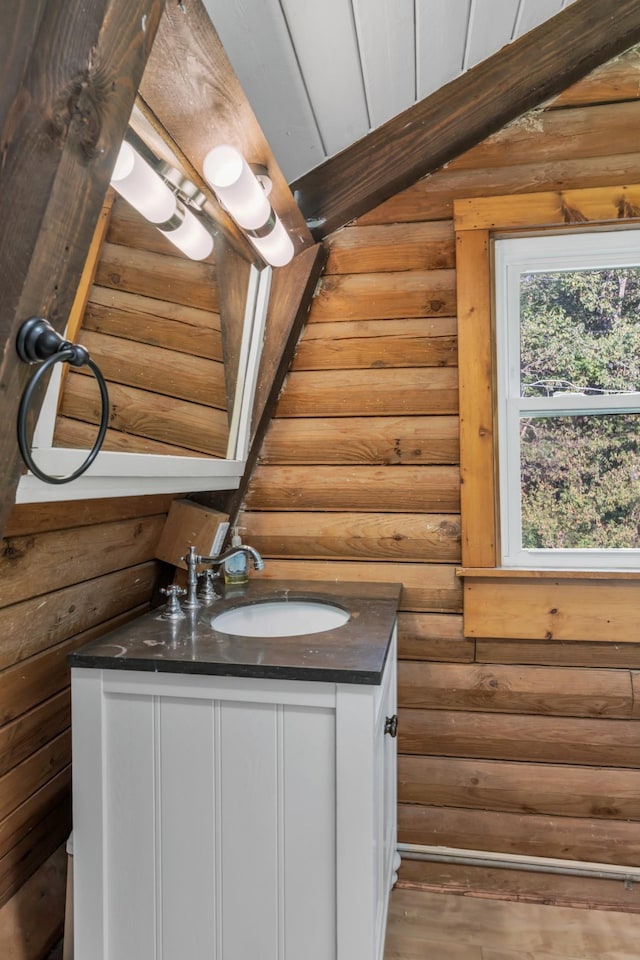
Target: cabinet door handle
391	725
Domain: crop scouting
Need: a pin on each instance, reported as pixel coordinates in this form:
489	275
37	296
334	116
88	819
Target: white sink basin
280	618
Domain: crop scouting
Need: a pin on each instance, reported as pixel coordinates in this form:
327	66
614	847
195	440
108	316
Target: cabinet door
205	819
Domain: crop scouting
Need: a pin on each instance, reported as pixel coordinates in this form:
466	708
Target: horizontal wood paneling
542	739
364	440
178	422
199	339
61	613
433	637
28	776
360	536
433	197
24	819
31	566
159	370
545	789
558	653
528	834
70	572
37	517
113	306
171	278
74	434
392	348
22	737
423	489
26	856
554	134
152	324
428	587
541	725
614	81
398	247
402	392
331	330
379	296
570	692
46	674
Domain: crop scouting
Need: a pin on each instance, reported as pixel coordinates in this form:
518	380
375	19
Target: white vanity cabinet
230	817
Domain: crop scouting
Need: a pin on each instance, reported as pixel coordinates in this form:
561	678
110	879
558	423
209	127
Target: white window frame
116	474
514	256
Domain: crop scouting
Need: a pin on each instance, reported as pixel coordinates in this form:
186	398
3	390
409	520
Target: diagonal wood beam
461	114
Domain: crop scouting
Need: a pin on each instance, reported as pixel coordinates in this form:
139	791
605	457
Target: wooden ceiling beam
461	114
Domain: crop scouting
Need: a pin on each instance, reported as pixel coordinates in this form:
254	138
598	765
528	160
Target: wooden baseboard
32	920
520	885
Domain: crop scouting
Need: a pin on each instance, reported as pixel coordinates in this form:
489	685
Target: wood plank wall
152	324
69	572
528	748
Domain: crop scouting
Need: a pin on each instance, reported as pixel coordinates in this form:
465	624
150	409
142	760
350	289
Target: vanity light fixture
162	198
243	193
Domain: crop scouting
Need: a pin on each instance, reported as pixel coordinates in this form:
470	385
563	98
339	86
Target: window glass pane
580	331
580	482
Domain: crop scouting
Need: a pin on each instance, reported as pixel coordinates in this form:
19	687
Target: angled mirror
178	340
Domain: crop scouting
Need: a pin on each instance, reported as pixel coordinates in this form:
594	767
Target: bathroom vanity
234	796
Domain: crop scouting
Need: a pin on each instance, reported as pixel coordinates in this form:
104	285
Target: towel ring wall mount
38	342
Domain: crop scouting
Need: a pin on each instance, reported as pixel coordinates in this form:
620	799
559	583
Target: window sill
513	573
503	604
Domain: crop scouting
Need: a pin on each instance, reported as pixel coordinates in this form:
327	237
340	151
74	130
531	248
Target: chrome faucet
193	560
258	562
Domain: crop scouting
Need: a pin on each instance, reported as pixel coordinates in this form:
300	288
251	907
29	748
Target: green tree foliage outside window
580	474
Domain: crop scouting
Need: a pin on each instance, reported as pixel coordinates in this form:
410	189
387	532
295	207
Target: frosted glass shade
140	185
277	247
191	237
243	197
236	187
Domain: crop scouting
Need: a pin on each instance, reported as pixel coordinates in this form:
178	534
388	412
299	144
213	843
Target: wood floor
437	926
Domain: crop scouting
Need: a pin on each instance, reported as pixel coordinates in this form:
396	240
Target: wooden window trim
476	222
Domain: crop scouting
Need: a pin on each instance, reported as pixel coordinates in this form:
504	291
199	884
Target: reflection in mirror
152	324
179	343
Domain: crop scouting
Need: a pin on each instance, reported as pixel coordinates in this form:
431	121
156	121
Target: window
568	400
555	601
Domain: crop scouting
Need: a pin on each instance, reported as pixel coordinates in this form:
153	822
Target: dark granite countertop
353	653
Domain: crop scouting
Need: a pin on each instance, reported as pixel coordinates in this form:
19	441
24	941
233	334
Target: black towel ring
38	342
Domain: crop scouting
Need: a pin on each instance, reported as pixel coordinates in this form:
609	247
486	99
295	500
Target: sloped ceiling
321	74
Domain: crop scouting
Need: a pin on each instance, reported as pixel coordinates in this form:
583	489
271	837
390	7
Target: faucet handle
173	610
207	590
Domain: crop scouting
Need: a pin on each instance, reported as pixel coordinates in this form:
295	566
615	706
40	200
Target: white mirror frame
115	474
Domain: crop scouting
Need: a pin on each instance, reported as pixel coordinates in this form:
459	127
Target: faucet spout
258	562
193	560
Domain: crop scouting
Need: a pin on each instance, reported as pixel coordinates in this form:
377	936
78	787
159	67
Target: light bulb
236	187
276	247
140	185
191	237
